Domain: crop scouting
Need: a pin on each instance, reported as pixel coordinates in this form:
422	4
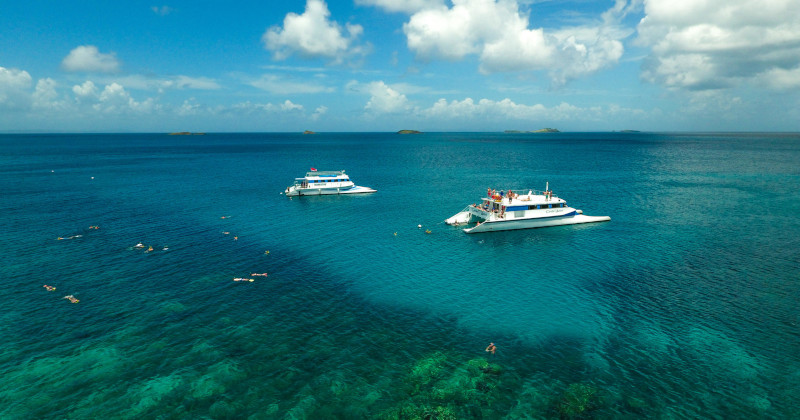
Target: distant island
543	130
630	131
409	132
309	132
186	133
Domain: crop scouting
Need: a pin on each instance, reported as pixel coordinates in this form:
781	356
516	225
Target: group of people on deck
495	195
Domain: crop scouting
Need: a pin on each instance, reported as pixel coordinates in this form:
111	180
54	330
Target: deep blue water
683	306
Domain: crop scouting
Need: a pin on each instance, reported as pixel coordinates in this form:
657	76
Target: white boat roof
537	197
323	174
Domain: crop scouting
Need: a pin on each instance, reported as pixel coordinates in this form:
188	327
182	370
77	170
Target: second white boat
325	183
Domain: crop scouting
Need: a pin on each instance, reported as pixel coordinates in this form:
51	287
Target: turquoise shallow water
683	306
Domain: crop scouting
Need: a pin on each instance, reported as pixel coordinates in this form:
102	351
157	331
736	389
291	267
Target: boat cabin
527	204
324	179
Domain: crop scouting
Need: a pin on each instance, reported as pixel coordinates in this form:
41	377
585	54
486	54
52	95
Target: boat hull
293	192
496	226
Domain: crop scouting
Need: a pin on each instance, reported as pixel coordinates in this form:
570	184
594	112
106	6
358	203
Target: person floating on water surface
491	348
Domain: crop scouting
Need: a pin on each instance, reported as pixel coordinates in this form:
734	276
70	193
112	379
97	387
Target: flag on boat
313	169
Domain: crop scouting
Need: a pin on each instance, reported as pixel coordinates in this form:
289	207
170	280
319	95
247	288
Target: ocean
684	305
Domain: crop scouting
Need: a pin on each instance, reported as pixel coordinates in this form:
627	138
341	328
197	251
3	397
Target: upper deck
524	198
324	174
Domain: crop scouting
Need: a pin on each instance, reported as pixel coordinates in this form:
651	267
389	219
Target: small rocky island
309	132
186	133
543	130
409	132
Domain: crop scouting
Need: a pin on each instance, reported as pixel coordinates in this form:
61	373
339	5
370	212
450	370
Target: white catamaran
325	183
520	209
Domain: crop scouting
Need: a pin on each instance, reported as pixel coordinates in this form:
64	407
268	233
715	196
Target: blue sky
385	65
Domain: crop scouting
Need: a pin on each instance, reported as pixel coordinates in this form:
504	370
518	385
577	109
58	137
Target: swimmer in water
491	348
49	288
259	274
71	298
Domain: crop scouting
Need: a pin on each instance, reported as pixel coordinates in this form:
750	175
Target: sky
386	65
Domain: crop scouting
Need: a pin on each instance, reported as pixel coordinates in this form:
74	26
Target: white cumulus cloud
115	99
485	108
88	58
319	112
14	87
312	34
712	44
384	99
14	79
45	95
500	35
287	105
85	91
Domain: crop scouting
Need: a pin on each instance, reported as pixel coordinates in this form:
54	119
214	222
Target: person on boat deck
489	192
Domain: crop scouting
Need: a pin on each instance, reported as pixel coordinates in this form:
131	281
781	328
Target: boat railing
532	192
324	173
521	193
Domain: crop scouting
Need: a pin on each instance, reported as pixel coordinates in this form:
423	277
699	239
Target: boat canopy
324	173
